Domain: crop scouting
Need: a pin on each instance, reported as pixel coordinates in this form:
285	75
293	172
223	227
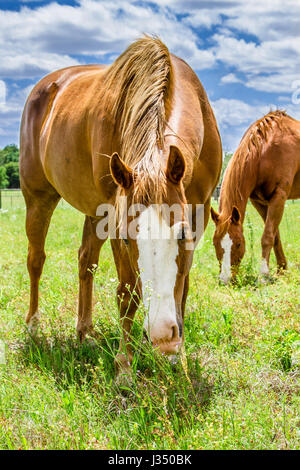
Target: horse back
36	112
197	128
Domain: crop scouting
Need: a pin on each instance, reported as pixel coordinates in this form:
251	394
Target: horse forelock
137	93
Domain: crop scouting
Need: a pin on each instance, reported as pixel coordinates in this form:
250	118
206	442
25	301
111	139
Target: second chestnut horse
266	169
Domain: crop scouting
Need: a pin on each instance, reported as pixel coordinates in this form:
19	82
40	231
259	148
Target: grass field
13	199
241	345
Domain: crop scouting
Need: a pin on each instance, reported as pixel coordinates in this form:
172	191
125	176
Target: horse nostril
175	332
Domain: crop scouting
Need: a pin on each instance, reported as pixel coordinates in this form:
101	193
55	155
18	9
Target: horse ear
175	166
214	215
235	216
120	172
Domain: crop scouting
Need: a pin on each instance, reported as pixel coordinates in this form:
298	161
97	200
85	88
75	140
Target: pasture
242	345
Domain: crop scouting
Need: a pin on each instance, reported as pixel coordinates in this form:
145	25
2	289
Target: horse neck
236	192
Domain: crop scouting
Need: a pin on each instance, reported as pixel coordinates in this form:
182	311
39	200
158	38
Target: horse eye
238	245
125	240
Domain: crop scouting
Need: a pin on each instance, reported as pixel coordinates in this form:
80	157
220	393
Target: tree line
9	167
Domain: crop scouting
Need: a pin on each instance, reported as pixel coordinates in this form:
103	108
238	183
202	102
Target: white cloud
268	57
33	42
33	64
2	92
266	20
270	60
273	83
235	116
36	41
230	78
271	66
203	19
232	112
10	113
284	99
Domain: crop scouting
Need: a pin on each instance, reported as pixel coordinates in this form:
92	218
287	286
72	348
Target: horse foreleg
88	257
128	298
280	257
278	250
128	301
271	230
40	208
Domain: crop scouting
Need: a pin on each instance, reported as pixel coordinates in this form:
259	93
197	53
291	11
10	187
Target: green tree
9	167
12	171
8	154
3	178
226	160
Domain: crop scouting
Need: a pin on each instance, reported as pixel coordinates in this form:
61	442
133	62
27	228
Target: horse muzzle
170	342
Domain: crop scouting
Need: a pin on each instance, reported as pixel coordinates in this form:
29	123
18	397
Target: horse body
266	169
84	157
74	120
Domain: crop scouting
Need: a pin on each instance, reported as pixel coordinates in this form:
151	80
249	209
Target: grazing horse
141	129
266	169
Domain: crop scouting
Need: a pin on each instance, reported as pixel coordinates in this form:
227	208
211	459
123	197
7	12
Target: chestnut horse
266	169
150	108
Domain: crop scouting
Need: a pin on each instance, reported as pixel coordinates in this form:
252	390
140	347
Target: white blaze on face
226	244
158	250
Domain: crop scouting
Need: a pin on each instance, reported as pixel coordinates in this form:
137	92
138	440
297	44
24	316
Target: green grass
11	199
241	345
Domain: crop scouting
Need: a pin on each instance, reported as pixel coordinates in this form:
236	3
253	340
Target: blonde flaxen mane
138	87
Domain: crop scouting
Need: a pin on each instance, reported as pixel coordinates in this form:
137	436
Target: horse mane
136	94
246	158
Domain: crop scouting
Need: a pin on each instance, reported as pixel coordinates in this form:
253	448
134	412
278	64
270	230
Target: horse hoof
85	333
81	336
94	336
33	324
281	270
124	382
174	359
86	338
90	341
263	280
266	279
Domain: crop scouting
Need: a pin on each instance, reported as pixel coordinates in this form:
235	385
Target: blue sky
247	54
